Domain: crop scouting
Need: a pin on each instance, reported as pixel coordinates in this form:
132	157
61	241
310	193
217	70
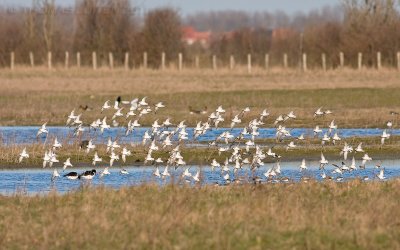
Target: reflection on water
38	181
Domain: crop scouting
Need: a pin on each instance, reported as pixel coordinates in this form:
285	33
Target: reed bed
350	215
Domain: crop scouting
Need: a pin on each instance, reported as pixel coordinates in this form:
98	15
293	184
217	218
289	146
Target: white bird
23	155
384	136
332	126
167	123
157	173
118	113
264	114
291	115
106	105
196	177
317	130
55	175
325	139
158	106
291	145
318	112
90	146
56	144
186	173
46	159
215	164
359	148
113	157
67	163
146	137
143	102
279	119
96	158
123	172
337	170
303	165
346	150
353	164
71	117
381	174
227	178
104	125
220	110
125	153
365	158
165	173
42	130
323	161
336	138
106	171
235	121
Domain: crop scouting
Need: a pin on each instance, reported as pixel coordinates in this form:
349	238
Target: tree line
357	26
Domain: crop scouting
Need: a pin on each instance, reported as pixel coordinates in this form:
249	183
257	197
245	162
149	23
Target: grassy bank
310	150
351	215
32	97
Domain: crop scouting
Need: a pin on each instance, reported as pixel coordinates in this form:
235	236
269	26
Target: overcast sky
191	6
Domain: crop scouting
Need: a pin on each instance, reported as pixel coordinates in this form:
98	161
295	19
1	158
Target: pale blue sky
191	6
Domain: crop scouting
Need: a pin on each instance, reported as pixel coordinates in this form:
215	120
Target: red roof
190	35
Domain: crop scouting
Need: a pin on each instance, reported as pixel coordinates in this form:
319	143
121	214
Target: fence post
180	61
163	60
398	60
359	61
231	62
285	61
341	57
197	62
12	60
111	60
66	59
145	60
214	62
126	63
94	60
78	59
31	59
378	60
304	62
49	62
267	61
249	63
323	56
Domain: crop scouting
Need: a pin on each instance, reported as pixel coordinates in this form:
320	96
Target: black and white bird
87	175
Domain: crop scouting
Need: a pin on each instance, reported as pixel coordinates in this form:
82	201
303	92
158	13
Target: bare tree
162	32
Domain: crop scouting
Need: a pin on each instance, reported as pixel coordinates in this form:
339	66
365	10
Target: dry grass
351	215
30	97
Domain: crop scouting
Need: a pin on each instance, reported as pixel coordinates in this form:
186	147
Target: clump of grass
351	215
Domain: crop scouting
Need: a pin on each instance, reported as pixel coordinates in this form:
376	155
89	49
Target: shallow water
38	181
27	134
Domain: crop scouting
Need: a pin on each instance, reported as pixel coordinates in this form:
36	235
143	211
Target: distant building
191	36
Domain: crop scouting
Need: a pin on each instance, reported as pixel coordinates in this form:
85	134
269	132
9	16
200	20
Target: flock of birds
241	150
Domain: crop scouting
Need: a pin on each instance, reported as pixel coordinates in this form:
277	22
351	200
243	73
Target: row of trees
104	26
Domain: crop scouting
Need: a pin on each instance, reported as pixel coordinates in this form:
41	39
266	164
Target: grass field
351	215
32	97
